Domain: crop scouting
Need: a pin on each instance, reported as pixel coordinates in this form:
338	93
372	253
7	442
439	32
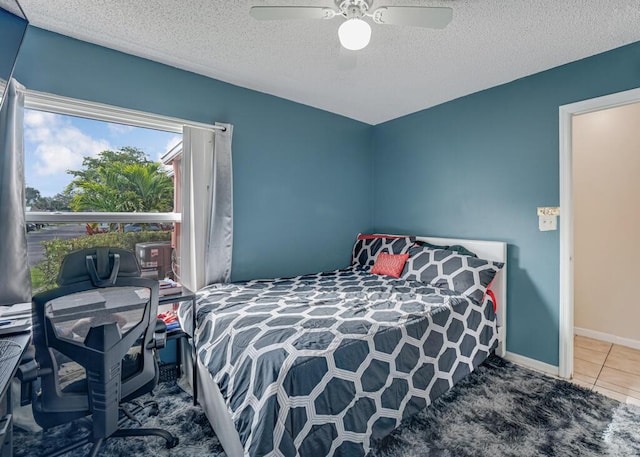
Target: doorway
566	114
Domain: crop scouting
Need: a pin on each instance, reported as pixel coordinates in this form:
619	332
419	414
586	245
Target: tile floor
610	369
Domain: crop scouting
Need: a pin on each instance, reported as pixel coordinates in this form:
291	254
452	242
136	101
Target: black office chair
95	338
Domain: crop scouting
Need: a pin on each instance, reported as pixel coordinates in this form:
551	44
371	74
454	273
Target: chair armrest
28	368
27	373
29	354
161	327
159	335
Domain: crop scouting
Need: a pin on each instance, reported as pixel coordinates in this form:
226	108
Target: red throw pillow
389	264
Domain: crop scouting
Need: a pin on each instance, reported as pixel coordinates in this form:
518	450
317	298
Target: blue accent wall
302	176
477	167
12	30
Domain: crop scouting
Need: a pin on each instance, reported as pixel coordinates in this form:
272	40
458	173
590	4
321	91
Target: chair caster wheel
173	442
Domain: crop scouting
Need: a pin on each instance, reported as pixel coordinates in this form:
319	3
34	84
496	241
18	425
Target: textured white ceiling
403	70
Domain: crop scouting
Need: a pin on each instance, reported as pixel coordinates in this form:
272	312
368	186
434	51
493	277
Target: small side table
172	303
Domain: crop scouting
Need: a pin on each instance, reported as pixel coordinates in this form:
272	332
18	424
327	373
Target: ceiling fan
355	32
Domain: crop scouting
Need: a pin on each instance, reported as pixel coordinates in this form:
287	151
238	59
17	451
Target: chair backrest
101	311
101	266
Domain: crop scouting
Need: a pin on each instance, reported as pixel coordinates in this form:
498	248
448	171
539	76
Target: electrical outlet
547	223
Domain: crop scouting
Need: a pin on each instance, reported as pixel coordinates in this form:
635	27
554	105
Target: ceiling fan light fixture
354	34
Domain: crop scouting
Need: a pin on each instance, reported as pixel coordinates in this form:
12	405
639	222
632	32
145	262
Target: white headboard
489	250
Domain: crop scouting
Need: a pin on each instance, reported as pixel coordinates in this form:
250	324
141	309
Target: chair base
171	441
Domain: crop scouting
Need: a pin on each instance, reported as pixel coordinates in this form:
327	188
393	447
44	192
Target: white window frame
56	104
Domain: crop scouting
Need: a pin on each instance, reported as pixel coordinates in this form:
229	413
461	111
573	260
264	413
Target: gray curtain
15	280
206	205
219	246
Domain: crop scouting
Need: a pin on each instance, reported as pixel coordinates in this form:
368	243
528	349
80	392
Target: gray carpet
499	410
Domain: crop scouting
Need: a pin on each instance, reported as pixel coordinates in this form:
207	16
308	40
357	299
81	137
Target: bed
328	363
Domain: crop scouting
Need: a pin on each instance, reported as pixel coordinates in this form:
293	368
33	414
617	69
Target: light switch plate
547	223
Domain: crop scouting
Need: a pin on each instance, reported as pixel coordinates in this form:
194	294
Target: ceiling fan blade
273	13
417	16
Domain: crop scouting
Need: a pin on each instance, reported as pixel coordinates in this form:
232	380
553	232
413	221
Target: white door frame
567	112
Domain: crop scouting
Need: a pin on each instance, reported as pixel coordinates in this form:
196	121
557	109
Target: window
94	178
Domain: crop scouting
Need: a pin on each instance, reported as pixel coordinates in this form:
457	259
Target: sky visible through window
55	143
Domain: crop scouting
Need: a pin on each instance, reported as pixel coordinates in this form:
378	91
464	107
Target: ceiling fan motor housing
353	8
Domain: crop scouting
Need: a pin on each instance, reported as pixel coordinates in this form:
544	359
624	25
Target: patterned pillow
389	264
455	247
446	269
367	247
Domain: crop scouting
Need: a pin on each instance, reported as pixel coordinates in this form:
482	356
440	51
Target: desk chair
103	317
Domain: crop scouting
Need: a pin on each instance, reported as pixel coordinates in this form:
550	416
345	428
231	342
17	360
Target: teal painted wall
12	29
302	176
477	167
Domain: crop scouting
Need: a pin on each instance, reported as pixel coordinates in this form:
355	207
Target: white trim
171	154
73	107
532	364
565	319
635	344
62	216
566	113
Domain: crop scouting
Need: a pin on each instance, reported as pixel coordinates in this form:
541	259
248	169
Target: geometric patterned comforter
325	364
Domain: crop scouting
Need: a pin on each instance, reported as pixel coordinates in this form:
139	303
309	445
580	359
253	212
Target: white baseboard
532	363
635	344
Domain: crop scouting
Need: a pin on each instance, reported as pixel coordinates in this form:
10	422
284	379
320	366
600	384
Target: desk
8	367
95	304
175	300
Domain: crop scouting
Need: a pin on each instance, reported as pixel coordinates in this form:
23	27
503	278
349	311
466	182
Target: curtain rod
43	101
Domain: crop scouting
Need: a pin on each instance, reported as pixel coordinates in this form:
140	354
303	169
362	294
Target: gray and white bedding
325	364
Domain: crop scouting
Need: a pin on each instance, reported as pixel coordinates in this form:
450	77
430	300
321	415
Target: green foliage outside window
120	181
59	202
